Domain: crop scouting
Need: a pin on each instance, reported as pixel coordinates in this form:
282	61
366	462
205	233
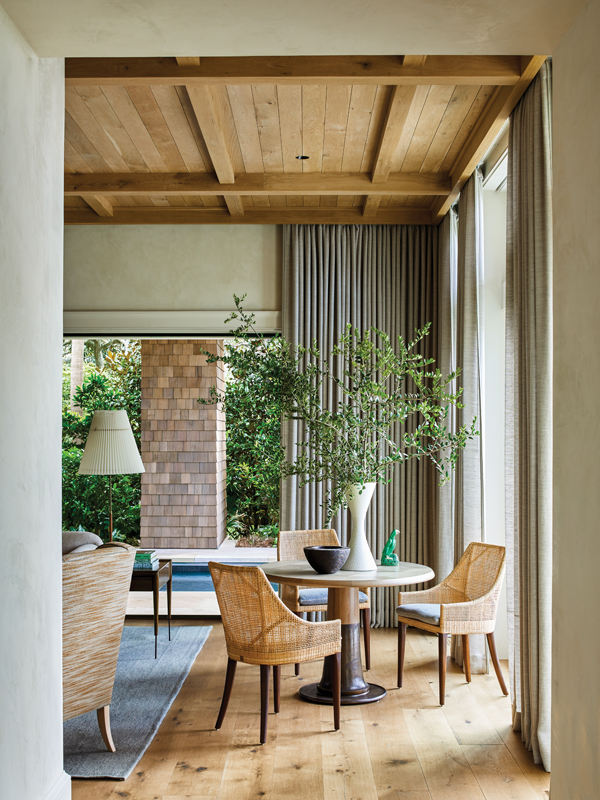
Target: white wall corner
61	790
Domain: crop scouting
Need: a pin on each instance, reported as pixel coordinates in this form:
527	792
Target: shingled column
183	446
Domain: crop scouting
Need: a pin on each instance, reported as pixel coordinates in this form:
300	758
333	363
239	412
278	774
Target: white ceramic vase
360	558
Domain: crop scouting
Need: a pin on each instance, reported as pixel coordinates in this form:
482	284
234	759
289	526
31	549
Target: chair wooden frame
468	600
260	629
290	547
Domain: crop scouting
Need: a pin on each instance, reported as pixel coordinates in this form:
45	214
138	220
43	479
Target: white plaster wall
31	156
172	267
576	587
286	27
493	318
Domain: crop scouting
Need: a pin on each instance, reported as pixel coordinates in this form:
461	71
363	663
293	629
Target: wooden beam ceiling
101	205
303	183
190	140
388	70
402	103
252	216
485	131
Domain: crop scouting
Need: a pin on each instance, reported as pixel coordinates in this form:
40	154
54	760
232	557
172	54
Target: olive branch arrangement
389	405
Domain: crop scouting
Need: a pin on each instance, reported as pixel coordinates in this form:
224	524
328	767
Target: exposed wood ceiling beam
489	125
153	215
450	70
399	108
303	183
206	110
101	205
207	114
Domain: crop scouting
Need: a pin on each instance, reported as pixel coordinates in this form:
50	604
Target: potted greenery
356	445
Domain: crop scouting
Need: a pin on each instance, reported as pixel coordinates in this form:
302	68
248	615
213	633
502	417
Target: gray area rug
144	690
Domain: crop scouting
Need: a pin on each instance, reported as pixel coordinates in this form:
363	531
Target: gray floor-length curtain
529	414
381	275
468	479
444	551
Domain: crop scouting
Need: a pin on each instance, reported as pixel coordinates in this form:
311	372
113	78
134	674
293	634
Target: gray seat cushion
318	597
429	613
72	540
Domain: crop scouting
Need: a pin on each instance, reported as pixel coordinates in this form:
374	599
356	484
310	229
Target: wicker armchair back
259	628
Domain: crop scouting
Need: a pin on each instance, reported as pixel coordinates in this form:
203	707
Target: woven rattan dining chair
290	547
260	629
466	602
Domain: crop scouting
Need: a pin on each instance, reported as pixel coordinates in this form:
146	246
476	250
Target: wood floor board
444	765
405	747
299	745
468	721
497	773
347	772
394	761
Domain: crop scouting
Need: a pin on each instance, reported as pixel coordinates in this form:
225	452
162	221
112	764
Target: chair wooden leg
496	663
443	652
366	621
401	651
231	665
300	615
337	690
264	701
276	688
103	715
466	656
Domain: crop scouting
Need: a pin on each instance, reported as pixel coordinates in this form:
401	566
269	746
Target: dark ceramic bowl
326	559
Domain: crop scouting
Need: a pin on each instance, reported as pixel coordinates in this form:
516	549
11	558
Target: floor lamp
110	450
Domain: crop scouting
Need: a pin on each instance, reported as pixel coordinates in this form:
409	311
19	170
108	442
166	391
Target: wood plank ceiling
384	140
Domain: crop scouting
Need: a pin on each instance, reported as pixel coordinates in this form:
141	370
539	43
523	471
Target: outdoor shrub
85	497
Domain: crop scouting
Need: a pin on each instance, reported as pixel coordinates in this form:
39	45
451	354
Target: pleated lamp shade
110	448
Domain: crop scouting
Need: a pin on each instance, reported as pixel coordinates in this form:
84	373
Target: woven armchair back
291	544
479	569
290	547
259	628
95	589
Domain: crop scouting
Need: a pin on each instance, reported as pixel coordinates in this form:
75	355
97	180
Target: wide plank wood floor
404	748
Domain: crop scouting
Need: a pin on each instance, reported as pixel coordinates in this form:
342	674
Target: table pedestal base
343	605
310	694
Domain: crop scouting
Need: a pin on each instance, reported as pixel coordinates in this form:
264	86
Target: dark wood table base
343	604
311	694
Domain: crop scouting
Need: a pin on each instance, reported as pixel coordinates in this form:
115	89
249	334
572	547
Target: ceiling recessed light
301	158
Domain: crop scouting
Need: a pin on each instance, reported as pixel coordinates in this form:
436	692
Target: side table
150	580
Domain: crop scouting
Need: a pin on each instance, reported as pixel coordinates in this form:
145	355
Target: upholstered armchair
466	602
95	589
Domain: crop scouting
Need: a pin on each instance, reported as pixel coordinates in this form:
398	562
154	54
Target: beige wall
31	155
174	267
576	604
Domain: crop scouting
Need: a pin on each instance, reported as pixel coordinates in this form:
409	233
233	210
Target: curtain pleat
443	557
373	275
529	414
468	479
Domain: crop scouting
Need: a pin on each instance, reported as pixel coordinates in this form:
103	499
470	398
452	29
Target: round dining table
343	604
